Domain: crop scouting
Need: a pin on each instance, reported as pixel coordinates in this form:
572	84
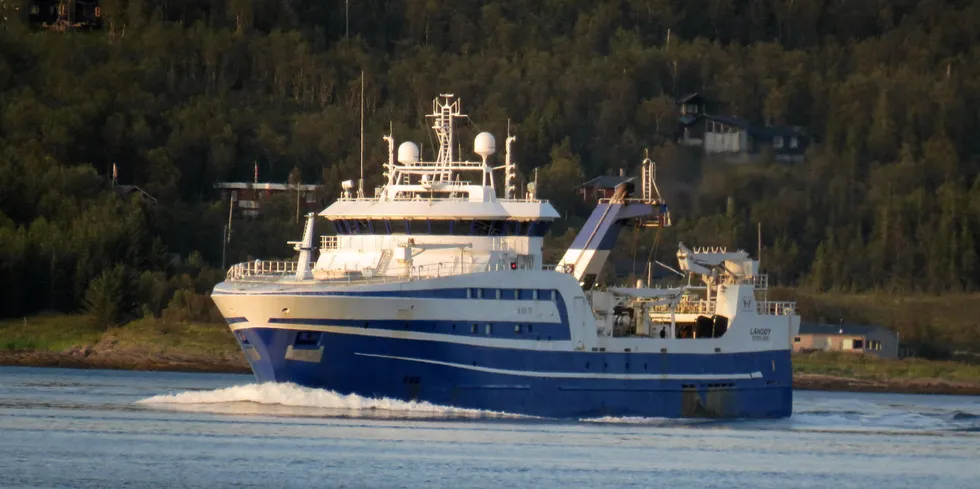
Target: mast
360	183
443	114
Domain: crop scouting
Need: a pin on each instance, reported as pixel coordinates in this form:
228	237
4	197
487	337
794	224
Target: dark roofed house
602	187
63	15
855	338
127	190
734	137
249	195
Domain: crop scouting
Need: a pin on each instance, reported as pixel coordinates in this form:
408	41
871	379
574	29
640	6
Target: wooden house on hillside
62	15
736	138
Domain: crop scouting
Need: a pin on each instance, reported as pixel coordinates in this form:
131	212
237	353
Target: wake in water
292	399
885	413
813	411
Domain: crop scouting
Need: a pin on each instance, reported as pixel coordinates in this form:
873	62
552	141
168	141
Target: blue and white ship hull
551	384
435	341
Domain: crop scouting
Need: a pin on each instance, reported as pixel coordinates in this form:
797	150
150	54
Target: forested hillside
184	93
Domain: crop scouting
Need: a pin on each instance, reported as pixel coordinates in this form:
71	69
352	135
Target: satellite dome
484	144
408	153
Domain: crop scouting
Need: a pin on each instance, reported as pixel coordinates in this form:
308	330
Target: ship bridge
444	213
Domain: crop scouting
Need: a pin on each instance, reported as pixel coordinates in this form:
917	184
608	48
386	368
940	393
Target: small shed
127	190
602	187
249	195
854	338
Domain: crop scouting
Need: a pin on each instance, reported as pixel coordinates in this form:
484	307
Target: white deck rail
260	269
273	271
774	308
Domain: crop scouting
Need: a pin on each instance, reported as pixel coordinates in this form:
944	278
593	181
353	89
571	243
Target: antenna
360	183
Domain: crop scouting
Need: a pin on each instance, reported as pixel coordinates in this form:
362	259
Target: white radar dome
408	153
484	144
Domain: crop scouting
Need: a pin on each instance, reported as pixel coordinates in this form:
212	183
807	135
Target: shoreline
87	358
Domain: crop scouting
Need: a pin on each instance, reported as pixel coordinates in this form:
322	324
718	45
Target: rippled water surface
93	428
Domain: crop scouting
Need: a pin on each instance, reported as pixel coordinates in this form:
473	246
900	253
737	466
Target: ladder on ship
383	263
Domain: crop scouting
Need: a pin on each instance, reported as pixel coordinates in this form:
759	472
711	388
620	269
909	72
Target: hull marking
572	375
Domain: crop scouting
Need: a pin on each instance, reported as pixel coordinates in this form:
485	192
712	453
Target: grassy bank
152	344
940	323
868	367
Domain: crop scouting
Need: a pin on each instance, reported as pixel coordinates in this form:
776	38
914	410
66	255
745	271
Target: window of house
793	142
796	340
858	345
777	142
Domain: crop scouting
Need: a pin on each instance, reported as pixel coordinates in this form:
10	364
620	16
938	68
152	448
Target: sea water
95	428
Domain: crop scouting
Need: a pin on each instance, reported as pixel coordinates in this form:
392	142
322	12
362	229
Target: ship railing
265	271
759	282
632	200
260	268
688	307
401	274
775	308
557	268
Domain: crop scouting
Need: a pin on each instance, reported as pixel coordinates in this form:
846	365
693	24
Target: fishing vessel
434	289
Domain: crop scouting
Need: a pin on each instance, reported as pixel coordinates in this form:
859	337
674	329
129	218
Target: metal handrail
260	268
776	308
689	307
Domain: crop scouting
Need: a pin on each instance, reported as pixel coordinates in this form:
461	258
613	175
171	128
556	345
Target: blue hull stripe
574	375
552	383
499	329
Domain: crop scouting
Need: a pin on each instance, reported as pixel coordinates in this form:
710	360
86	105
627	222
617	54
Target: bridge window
380	226
440	227
538	229
443	227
